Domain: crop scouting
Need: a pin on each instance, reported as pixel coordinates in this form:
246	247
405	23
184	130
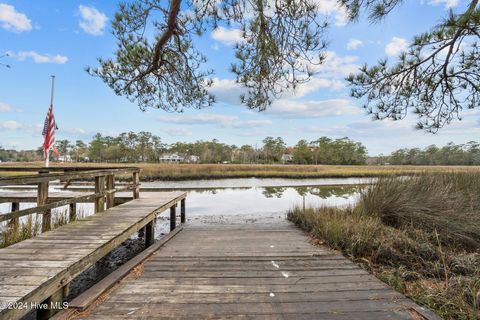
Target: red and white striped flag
48	133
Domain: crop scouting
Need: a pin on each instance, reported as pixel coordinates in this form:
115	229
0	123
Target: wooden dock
38	270
251	272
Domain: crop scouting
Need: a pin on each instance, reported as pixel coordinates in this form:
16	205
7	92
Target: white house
287	158
65	158
174	157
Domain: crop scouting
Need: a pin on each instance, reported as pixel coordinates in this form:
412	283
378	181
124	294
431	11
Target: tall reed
419	234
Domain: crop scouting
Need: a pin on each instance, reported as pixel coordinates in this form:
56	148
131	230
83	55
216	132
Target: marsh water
250	200
227	201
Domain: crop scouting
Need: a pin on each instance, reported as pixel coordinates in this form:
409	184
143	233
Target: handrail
46	177
104	189
60	168
60	203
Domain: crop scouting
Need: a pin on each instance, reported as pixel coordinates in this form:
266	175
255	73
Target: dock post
149	234
182	211
14	223
110	186
73	211
54	303
100	187
136	184
42	199
173	218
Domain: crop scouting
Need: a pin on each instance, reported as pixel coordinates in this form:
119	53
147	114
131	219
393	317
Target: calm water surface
252	200
229	201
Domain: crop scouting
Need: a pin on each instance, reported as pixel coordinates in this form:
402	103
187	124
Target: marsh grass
418	234
167	171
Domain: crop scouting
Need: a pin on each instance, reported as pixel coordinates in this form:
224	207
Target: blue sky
63	37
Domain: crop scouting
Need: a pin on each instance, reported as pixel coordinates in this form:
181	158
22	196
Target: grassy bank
28	227
159	171
421	235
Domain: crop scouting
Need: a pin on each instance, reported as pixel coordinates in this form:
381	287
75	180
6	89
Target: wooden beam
149	234
79	234
14	223
100	188
52	205
182	211
42	199
73	211
52	305
173	217
136	185
74	175
110	186
85	299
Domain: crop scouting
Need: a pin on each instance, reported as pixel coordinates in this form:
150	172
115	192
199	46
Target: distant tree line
15	155
450	154
147	147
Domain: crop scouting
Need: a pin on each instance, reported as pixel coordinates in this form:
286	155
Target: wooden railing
104	189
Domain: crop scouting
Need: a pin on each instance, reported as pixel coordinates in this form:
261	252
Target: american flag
48	133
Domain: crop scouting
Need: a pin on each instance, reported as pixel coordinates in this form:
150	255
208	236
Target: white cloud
227	36
448	3
11	125
333	9
202	118
251	123
178	132
222	120
5	107
318	83
396	46
39	58
78	132
337	66
329	75
92	21
354	44
227	90
313	108
12	20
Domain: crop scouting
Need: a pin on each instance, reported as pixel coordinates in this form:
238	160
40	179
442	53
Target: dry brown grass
163	171
418	234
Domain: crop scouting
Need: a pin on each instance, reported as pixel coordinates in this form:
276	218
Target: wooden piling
173	218
73	211
42	199
136	184
149	234
182	211
100	187
14	223
110	186
53	304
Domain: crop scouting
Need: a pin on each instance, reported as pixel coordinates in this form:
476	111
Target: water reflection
247	204
260	204
324	192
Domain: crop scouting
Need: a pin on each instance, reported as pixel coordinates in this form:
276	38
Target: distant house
287	158
66	158
192	159
172	157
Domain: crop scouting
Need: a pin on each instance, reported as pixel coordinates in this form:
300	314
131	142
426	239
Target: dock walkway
38	270
252	271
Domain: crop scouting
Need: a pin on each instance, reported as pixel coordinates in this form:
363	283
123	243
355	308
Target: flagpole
47	156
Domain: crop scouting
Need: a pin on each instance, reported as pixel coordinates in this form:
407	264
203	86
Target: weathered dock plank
252	272
35	269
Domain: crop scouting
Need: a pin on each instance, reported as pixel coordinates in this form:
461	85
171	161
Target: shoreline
182	172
